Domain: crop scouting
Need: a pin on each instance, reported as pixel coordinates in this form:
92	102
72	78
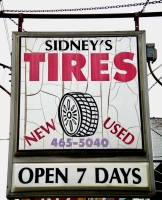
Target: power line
16	23
155	69
5	90
90	8
143	9
158	80
154	84
1	87
6	29
5	66
156	132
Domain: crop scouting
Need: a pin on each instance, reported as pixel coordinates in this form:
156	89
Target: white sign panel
79	116
79	93
54	176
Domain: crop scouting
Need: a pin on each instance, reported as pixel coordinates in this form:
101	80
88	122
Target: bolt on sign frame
80	121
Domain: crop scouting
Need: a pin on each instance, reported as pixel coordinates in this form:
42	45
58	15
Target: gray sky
153	35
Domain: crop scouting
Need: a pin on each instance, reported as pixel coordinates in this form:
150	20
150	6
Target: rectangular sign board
37	176
80	115
59	199
79	93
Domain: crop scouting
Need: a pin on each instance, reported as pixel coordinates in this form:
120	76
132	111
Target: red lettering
27	138
121	132
69	68
97	66
38	133
34	59
128	67
52	126
115	128
128	139
53	67
72	64
107	120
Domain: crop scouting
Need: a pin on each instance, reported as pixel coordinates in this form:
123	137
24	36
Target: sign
79	199
80	116
59	199
79	93
61	176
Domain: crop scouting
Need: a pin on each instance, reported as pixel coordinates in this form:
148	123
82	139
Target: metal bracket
20	22
136	19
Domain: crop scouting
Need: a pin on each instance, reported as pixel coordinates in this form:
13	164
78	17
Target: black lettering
81	170
136	176
77	46
115	175
59	173
48	175
101	42
108	45
38	173
98	177
48	45
84	44
125	174
20	175
63	45
93	44
55	45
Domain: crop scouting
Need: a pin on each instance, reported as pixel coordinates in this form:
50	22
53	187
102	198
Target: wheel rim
70	115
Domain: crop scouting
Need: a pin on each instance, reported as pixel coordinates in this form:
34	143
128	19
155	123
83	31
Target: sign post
80	116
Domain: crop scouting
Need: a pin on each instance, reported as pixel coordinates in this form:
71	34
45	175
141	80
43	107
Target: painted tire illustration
78	114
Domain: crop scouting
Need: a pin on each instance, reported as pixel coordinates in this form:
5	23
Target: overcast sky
153	35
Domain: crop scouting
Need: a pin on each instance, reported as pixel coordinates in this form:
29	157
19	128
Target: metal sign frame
109	156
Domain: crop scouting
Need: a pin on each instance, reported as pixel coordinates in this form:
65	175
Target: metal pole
79	16
20	22
136	19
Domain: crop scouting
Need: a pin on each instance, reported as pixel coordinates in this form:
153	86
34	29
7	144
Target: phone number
82	142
